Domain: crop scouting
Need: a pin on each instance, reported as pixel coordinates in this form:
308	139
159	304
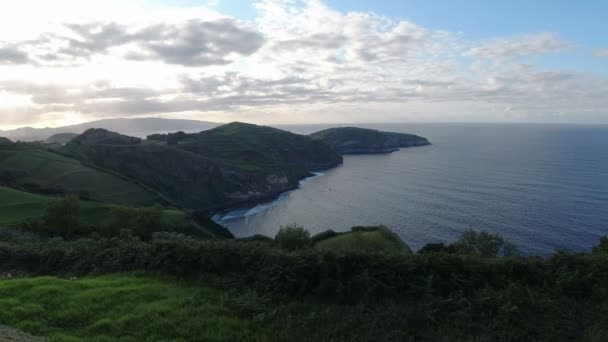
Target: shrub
292	238
62	215
483	244
602	246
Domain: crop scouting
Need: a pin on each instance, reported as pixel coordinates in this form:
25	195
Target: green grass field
378	240
17	206
46	169
122	308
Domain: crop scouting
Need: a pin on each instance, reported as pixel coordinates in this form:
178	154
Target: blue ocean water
543	187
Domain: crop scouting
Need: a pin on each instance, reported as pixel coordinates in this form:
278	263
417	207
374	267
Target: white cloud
519	46
602	53
298	61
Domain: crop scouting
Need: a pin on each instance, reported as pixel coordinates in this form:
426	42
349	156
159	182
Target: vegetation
211	170
292	238
76	270
69	217
348	140
364	240
32	168
125	308
301	295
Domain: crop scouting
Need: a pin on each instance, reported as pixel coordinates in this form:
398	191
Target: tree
292	238
62	215
148	221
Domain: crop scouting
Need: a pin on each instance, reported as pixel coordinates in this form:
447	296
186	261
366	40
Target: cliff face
352	140
211	170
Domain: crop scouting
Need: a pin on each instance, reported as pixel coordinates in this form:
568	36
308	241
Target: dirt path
12	335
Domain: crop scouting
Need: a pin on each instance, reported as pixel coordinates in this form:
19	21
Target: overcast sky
309	61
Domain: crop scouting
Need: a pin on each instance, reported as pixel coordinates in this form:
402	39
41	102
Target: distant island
354	140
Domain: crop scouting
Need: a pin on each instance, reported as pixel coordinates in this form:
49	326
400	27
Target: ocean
542	187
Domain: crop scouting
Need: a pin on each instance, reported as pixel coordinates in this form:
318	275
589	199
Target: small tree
483	244
148	221
62	215
292	238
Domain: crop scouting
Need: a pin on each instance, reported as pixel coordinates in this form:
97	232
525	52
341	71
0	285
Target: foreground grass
125	308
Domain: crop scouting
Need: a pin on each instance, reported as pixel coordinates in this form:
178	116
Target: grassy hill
364	240
18	206
211	170
351	140
34	169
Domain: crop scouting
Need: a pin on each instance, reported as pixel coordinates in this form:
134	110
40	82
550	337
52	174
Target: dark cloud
192	43
199	43
12	55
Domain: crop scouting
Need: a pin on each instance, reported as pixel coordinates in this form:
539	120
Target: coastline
265	202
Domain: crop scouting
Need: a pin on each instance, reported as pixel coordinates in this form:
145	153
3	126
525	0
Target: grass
125	308
370	240
48	170
17	206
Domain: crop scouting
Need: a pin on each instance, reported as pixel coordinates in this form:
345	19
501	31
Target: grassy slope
49	170
379	240
17	206
124	308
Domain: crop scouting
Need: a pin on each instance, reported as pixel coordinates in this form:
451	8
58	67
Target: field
17	206
365	241
125	308
45	171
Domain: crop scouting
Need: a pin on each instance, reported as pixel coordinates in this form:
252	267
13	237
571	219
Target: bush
483	244
601	247
292	238
62	216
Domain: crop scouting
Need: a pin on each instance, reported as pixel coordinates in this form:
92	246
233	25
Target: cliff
211	170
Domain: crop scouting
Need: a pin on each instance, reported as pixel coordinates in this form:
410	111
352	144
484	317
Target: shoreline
266	201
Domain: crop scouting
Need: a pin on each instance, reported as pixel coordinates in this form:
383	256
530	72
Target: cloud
12	55
197	43
297	61
193	43
519	46
602	53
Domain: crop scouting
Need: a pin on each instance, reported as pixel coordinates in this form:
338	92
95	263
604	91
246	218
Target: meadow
43	171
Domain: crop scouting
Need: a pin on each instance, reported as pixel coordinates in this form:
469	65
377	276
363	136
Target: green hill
215	169
18	206
34	169
363	240
353	140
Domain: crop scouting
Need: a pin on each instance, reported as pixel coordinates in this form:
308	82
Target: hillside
32	168
139	127
215	169
61	138
353	140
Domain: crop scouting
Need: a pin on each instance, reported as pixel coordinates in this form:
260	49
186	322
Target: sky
303	61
